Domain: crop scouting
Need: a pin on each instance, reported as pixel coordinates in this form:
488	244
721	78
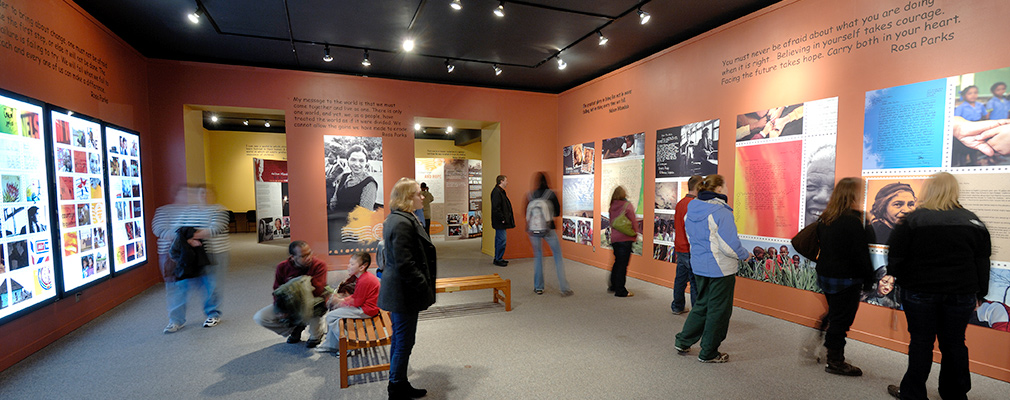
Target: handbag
623	224
807	242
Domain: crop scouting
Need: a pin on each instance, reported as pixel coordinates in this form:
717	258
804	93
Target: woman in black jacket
939	257
843	268
408	281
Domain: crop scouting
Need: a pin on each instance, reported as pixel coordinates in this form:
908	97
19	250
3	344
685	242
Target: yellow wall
434	148
229	167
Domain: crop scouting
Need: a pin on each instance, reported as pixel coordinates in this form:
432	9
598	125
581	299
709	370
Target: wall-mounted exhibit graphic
129	233
82	233
353	171
457	196
272	214
577	191
431	172
887	201
623	164
26	262
692	149
475	202
774	260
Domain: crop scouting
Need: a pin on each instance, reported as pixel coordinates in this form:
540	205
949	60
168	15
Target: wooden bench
502	288
360	334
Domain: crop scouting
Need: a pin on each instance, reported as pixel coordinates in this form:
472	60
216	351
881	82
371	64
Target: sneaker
567	293
324	349
719	359
843	368
211	322
173	327
312	343
538	291
679	312
894	391
682	350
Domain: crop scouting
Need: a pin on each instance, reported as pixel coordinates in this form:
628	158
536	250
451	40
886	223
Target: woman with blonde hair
621	242
716	253
939	257
843	268
408	280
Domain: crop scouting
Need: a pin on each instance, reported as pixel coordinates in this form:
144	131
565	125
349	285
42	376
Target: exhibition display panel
126	199
26	263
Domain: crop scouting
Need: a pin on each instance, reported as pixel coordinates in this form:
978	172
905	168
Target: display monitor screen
26	262
126	199
80	180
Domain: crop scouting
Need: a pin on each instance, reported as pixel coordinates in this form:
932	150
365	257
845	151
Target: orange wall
127	106
682	85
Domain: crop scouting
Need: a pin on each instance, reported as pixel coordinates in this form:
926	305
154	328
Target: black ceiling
292	34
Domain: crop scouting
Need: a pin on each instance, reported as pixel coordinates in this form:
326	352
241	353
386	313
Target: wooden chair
361	334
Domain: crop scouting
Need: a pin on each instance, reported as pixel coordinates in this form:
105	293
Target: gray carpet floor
587	346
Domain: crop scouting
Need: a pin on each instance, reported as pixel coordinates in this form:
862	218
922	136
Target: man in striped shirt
191	208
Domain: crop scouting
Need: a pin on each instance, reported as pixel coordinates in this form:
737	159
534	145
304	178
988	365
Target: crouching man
294	307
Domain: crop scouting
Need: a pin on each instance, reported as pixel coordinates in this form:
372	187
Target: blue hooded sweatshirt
715	246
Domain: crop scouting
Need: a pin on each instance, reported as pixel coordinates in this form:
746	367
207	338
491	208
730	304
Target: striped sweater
212	217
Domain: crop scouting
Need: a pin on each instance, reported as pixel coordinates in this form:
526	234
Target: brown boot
838	366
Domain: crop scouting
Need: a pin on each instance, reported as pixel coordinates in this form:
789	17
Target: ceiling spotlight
449	67
603	39
456	5
561	63
408	44
213	118
246	122
70	113
417	126
267	123
497	70
194	16
448	129
500	11
643	17
365	61
326	55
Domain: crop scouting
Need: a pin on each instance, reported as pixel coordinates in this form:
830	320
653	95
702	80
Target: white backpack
539	214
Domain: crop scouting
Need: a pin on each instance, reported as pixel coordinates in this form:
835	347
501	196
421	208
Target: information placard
126	199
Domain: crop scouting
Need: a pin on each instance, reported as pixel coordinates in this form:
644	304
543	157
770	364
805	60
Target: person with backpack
621	241
542	207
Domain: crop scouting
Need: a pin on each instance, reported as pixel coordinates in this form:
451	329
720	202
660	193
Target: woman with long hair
408	280
939	257
716	252
621	243
890	205
843	268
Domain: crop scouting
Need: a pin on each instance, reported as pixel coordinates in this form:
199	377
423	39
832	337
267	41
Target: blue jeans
942	317
538	256
499	244
401	344
177	292
684	274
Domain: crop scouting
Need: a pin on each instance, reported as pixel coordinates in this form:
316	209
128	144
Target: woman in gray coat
408	281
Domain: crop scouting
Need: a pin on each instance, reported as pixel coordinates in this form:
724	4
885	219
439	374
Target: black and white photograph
692	149
819	156
353	173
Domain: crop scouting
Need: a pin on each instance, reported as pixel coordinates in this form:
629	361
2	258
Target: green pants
709	318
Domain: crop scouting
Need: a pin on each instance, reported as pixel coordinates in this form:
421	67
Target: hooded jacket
711	232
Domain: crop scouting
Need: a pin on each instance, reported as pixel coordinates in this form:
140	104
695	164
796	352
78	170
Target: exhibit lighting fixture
497	70
246	122
417	126
561	63
448	129
213	118
194	16
456	5
267	123
603	39
365	61
326	54
643	17
70	113
448	66
408	44
500	11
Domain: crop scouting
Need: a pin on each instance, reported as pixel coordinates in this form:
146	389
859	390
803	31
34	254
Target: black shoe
311	343
843	368
894	390
404	391
500	263
296	335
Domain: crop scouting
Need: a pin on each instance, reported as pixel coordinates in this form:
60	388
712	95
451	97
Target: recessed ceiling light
365	61
500	11
408	44
266	124
643	17
448	129
417	126
603	39
213	118
194	16
561	63
497	70
449	67
70	113
456	5
326	55
246	122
